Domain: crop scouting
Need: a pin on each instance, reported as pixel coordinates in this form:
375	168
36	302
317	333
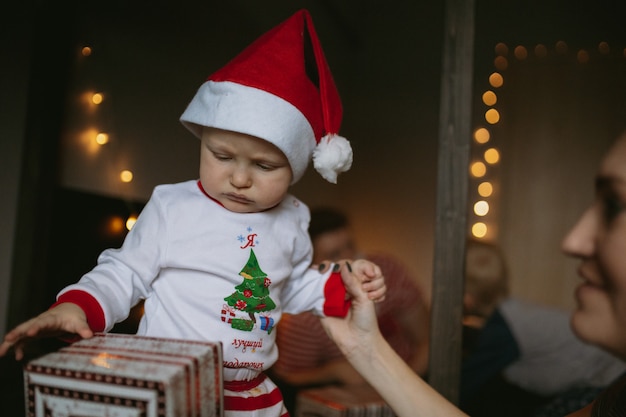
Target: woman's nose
579	241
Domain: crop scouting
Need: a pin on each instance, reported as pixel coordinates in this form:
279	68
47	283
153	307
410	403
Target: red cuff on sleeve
91	307
337	304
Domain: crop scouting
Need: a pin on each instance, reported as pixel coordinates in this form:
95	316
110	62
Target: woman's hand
360	326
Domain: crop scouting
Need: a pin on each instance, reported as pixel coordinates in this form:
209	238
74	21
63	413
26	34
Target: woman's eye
609	199
612	207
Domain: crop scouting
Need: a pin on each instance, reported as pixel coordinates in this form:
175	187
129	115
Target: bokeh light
481	208
478	169
496	80
489	98
481	135
492	156
492	116
97	98
126	176
130	222
485	189
102	138
479	229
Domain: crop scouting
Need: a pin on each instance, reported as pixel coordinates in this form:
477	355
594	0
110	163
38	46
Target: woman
598	240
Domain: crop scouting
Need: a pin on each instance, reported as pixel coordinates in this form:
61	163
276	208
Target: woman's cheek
593	320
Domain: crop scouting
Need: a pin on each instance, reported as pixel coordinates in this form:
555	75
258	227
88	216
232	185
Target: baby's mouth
238	198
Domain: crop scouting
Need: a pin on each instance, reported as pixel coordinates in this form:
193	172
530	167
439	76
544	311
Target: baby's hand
372	279
368	273
63	320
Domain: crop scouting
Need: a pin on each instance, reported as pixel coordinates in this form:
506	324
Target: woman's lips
585	290
590	274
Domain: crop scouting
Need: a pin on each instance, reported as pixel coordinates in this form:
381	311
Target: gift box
341	401
127	376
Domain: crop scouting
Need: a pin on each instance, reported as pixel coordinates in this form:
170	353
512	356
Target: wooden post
451	218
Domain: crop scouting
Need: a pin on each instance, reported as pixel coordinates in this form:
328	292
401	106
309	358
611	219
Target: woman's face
599	240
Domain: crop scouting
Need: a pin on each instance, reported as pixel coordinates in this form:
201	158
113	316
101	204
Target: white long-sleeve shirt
187	254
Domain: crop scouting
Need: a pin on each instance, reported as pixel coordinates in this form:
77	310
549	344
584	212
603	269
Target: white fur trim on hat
238	108
332	156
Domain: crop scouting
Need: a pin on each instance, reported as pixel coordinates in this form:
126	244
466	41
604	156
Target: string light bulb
481	208
485	189
603	48
102	138
489	98
114	225
479	229
481	135
126	176
492	156
478	169
501	63
492	116
496	80
97	98
520	52
130	222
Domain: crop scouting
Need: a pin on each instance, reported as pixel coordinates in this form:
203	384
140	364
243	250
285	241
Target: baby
222	257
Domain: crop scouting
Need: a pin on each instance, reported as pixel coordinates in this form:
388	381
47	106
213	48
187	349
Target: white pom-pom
332	156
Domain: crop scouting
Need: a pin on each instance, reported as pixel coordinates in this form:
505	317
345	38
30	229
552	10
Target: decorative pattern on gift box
127	376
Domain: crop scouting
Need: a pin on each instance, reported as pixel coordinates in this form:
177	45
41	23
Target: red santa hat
279	89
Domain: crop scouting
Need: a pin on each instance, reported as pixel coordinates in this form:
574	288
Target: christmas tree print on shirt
252	295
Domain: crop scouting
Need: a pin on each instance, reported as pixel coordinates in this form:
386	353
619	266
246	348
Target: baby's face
244	173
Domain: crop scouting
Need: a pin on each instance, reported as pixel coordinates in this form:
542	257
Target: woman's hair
486	275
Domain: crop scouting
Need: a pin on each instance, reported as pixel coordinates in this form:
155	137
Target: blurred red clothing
303	343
